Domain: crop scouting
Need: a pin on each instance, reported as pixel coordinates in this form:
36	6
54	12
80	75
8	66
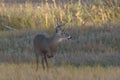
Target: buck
46	46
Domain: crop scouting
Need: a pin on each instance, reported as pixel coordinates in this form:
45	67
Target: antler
59	23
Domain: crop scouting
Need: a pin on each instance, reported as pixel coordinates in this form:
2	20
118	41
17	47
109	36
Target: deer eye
63	33
67	34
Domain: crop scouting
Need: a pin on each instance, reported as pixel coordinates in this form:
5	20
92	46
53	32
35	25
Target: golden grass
44	15
27	72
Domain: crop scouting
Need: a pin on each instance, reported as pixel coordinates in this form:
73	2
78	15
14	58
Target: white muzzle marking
61	39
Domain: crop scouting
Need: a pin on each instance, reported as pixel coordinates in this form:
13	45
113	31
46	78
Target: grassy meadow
27	72
92	54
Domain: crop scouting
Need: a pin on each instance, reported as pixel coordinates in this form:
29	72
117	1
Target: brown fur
46	47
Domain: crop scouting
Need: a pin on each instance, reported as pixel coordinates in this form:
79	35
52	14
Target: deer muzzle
69	37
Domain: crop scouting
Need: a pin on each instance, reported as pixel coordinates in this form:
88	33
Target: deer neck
55	40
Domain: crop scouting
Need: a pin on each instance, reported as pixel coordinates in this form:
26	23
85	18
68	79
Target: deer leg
66	58
45	57
54	62
43	65
37	61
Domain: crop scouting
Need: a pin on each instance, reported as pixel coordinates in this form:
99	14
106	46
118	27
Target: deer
46	46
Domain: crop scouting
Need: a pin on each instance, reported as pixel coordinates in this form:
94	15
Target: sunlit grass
27	72
44	15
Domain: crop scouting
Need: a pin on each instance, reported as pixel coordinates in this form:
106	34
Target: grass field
92	46
27	72
95	55
92	54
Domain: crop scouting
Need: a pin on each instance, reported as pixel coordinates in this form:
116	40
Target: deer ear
58	28
60	25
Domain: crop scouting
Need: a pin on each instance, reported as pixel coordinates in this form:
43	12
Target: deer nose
69	37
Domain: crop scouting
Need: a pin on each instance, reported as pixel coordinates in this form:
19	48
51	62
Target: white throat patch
61	39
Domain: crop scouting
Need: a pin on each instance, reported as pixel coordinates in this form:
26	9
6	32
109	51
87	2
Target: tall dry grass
43	15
